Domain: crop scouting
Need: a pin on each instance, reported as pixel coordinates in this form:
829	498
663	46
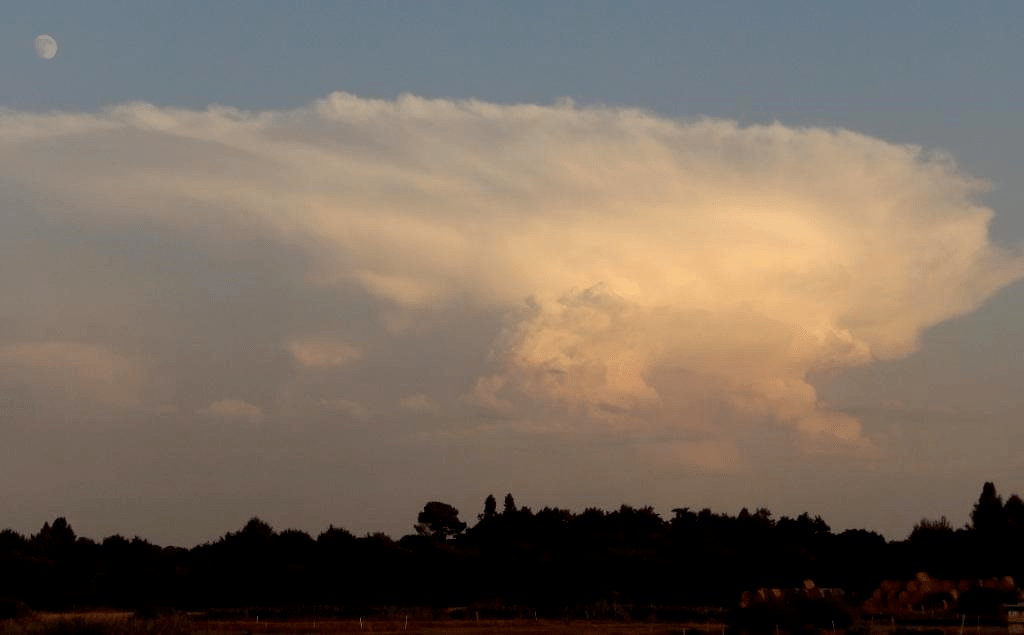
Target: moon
46	47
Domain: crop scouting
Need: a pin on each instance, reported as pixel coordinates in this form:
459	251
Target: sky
322	263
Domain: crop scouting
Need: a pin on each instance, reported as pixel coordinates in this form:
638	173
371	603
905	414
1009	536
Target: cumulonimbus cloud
647	267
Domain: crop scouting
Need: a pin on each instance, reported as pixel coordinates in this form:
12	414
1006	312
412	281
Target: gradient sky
325	262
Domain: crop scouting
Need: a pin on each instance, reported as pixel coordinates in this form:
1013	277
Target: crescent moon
46	47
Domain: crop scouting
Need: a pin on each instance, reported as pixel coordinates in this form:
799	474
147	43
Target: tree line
547	560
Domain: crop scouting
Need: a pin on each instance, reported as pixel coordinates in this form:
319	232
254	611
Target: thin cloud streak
233	409
321	352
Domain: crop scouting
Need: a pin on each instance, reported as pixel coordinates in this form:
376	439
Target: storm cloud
446	269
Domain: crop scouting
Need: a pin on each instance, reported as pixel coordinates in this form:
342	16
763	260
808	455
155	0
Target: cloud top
651	273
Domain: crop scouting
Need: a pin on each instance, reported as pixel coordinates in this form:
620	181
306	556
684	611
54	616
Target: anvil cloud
615	270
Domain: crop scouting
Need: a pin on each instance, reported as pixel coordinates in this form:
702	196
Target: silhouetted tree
11	541
294	541
439	520
547	561
256	532
930	531
1014	512
336	538
987	517
490	507
57	537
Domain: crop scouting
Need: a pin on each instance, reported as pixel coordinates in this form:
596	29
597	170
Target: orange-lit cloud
321	352
649	271
233	409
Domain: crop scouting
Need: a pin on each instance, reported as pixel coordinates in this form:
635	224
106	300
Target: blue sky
940	418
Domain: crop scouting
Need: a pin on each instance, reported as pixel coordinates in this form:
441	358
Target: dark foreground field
116	623
126	624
